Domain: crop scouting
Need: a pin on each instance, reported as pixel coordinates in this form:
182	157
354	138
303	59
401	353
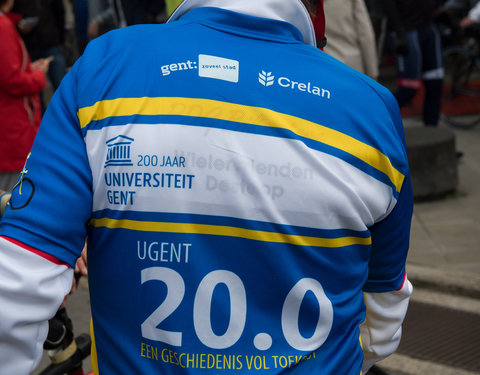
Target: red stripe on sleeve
44	255
403	282
414	84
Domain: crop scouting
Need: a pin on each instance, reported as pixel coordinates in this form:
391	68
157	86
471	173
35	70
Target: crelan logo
266	79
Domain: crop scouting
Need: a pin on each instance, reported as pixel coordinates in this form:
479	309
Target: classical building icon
118	153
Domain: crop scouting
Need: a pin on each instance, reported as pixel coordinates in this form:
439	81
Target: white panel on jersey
190	169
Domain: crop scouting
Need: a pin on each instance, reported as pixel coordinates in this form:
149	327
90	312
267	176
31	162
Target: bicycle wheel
458	66
461	122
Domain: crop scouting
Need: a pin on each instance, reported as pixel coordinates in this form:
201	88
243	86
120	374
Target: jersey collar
291	11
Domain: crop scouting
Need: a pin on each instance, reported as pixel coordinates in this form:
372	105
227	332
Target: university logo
266	79
118	153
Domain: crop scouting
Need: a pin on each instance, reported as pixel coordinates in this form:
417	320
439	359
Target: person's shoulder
363	82
355	91
5	21
7	27
383	92
338	73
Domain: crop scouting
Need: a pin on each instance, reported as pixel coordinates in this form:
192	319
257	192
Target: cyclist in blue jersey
246	199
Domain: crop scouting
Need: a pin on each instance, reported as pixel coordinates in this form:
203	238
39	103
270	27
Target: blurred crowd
41	39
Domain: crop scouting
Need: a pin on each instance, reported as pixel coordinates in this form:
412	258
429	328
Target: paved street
446	233
444	258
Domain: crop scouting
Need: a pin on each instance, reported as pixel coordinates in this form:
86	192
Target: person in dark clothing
106	15
81	23
43	31
142	11
467	12
418	52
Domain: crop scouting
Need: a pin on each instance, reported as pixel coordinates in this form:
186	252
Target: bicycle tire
458	65
460	123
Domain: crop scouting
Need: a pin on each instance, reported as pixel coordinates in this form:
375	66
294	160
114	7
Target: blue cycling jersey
240	191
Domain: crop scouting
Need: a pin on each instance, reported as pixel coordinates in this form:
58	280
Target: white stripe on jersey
245	175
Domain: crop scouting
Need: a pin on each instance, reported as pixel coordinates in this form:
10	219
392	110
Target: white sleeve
31	290
474	13
382	329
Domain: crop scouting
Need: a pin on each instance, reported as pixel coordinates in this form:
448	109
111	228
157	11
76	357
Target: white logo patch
218	68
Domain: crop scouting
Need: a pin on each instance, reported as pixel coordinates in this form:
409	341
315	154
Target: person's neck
291	11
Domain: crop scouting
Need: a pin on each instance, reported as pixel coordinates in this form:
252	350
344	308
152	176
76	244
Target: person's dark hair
3	2
311	5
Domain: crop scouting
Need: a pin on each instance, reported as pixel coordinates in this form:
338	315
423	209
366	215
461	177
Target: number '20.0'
238	310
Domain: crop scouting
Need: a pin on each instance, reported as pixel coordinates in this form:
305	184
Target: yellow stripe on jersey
218	230
207	108
93	351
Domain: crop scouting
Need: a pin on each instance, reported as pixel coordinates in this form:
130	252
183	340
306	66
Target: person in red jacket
20	85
